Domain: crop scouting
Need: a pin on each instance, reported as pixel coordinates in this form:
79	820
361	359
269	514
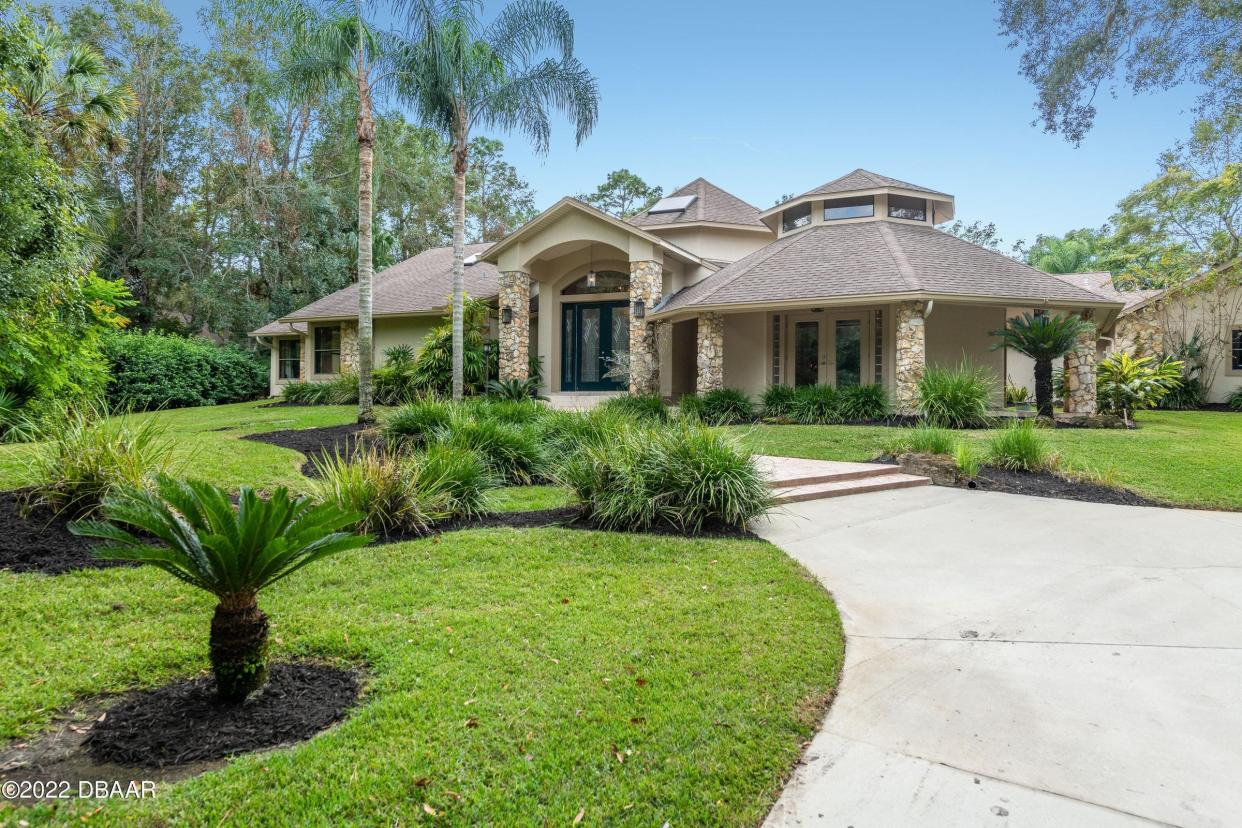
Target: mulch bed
41	541
1046	484
183	722
561	517
314	442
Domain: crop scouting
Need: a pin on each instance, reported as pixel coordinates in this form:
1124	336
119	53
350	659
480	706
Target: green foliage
374	484
725	406
520	411
955	397
623	194
1125	384
340	390
816	405
199	538
861	403
1235	400
636	407
416	422
924	438
967	459
433	368
399	355
778	400
1016	394
1189	392
681	475
514	452
83	455
453	482
1020	445
153	370
513	389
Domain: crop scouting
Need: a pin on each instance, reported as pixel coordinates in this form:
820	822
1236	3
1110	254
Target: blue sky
765	99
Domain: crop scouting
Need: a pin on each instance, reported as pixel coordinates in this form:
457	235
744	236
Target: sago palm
496	76
191	530
1043	338
65	91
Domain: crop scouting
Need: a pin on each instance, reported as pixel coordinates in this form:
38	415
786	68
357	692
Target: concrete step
839	488
785	472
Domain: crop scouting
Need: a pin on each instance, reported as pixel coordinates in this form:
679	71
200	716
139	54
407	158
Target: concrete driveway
1023	661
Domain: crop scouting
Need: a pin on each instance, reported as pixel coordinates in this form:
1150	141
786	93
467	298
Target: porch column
349	347
710	353
911	356
646	287
514	336
1080	372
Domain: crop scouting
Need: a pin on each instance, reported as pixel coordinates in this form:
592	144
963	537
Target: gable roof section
420	284
1101	282
874	258
711	204
279	328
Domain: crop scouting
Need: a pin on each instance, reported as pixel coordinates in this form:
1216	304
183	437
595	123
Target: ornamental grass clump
377	486
637	407
955	397
514	452
863	402
504	410
1022	446
725	406
232	553
341	390
416	422
84	454
816	405
452	482
682	476
923	439
777	400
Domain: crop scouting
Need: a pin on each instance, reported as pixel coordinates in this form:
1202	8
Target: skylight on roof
672	204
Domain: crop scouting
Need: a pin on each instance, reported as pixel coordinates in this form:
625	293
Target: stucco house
849	282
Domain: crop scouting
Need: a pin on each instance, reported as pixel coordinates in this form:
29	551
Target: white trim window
328	349
289	358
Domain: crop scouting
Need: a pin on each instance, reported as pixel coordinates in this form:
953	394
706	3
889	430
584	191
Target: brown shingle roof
711	204
861	179
421	284
280	328
869	259
1101	283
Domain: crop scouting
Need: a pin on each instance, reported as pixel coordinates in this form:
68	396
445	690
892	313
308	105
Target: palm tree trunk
366	158
460	166
1043	387
238	647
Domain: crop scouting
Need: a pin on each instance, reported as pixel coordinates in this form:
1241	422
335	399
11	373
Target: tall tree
466	75
623	194
1073	47
499	200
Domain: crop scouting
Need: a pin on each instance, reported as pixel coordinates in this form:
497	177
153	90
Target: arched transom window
599	281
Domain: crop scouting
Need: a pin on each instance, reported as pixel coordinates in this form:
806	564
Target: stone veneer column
911	356
1080	373
349	347
514	337
646	286
710	357
1140	333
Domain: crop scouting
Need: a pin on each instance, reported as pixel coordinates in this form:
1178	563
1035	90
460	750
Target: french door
592	335
828	348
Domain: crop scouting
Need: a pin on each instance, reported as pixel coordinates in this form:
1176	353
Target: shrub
514	452
155	370
374	485
924	438
341	390
1235	400
1125	384
681	475
639	407
778	400
816	405
1017	394
84	455
232	553
519	412
453	482
1021	446
398	355
416	422
726	406
863	402
690	406
955	397
564	433
394	383
433	366
967	459
513	389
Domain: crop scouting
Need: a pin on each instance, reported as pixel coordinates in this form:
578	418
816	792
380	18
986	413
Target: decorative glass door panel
593	334
848	352
806	352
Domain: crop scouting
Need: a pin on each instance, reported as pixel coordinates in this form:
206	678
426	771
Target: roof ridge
904	267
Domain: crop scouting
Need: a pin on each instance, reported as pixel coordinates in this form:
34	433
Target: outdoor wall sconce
506	315
639	310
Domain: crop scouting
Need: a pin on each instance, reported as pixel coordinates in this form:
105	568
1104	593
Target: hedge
156	370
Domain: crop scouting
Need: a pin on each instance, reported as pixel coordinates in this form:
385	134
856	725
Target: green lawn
703	663
1191	458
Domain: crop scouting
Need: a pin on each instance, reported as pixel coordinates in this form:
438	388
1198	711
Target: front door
806	349
846	360
828	348
593	334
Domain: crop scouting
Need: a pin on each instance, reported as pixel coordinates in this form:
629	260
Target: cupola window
848	208
905	207
796	217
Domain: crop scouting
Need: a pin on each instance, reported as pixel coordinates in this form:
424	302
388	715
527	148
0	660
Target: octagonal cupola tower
856	197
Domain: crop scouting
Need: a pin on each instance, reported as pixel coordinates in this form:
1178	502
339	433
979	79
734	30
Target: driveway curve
1020	661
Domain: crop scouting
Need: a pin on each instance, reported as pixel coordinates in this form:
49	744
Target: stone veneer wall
514	337
1080	373
349	346
911	356
1140	333
710	358
646	286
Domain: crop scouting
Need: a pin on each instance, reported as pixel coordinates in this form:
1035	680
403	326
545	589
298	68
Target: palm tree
64	90
201	539
1043	338
1066	256
338	46
465	76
